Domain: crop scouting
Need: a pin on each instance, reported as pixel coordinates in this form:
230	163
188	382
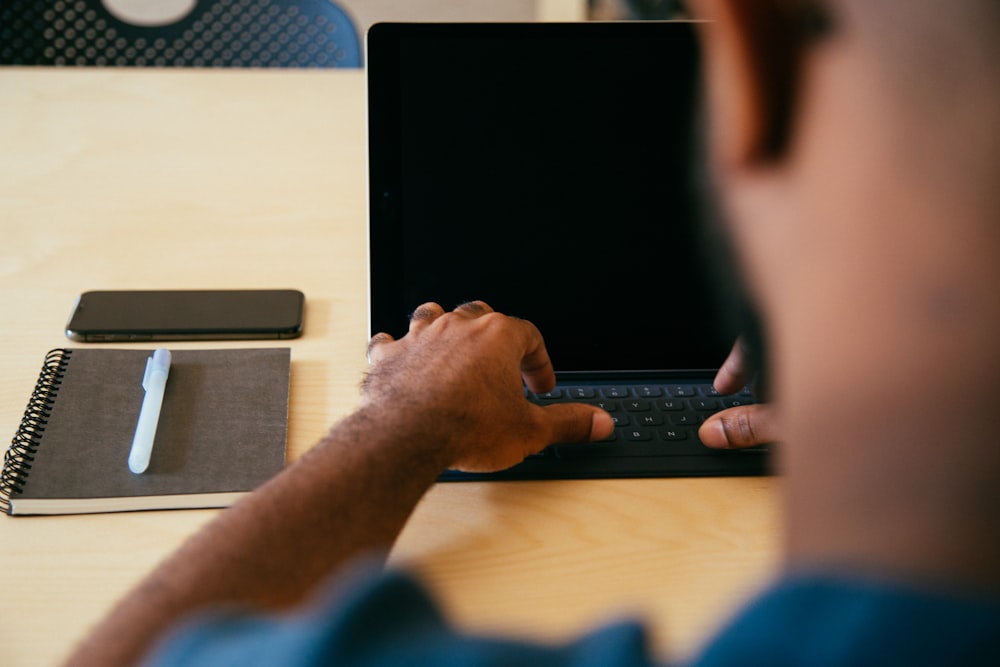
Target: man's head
855	149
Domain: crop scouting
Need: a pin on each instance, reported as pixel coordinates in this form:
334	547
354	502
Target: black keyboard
656	435
650	420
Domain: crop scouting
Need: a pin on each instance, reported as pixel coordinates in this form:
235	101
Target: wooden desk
196	179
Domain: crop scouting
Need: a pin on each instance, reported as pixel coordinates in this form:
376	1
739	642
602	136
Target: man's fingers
424	314
473	308
576	422
742	426
375	341
535	364
735	372
561	423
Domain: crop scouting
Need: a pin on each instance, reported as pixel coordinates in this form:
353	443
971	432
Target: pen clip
145	376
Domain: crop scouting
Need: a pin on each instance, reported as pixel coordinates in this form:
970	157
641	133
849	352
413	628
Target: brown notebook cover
221	431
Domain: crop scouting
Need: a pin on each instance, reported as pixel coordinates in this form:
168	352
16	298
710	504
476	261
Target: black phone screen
136	315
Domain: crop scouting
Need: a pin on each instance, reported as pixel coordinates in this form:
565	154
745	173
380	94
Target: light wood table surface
113	179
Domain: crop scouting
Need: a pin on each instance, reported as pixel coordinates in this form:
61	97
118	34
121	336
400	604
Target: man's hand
742	426
459	375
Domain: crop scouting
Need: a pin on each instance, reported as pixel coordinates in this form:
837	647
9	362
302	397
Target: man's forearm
351	494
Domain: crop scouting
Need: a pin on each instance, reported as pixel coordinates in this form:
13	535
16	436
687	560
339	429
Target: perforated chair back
216	33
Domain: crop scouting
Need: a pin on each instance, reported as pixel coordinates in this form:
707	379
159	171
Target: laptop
546	169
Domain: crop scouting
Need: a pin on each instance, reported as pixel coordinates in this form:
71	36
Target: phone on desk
151	315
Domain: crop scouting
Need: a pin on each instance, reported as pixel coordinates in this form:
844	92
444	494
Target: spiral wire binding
19	456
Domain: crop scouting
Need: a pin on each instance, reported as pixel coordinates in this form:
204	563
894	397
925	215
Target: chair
216	33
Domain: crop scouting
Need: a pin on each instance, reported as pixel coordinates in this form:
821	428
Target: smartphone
137	315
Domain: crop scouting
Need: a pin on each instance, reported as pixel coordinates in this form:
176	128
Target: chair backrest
216	33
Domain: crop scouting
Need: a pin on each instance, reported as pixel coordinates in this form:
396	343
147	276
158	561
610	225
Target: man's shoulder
810	619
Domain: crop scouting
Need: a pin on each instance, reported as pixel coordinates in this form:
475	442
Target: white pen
154	381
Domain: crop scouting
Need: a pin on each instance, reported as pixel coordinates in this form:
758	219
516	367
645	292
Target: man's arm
448	394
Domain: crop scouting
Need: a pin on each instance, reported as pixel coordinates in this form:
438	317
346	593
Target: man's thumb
576	422
742	426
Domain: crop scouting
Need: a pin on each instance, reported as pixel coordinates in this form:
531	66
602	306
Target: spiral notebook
221	432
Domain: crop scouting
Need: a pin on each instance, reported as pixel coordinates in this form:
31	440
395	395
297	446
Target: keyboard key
614	392
705	404
550	395
648	391
681	390
670	405
580	392
685	419
636	405
637	434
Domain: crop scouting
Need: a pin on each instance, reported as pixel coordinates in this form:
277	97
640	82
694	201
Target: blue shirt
389	619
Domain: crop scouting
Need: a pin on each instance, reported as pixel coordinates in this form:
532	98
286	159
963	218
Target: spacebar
617	449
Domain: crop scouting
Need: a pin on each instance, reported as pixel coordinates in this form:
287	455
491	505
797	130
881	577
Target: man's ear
753	52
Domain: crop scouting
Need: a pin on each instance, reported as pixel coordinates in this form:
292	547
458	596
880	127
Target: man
855	147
